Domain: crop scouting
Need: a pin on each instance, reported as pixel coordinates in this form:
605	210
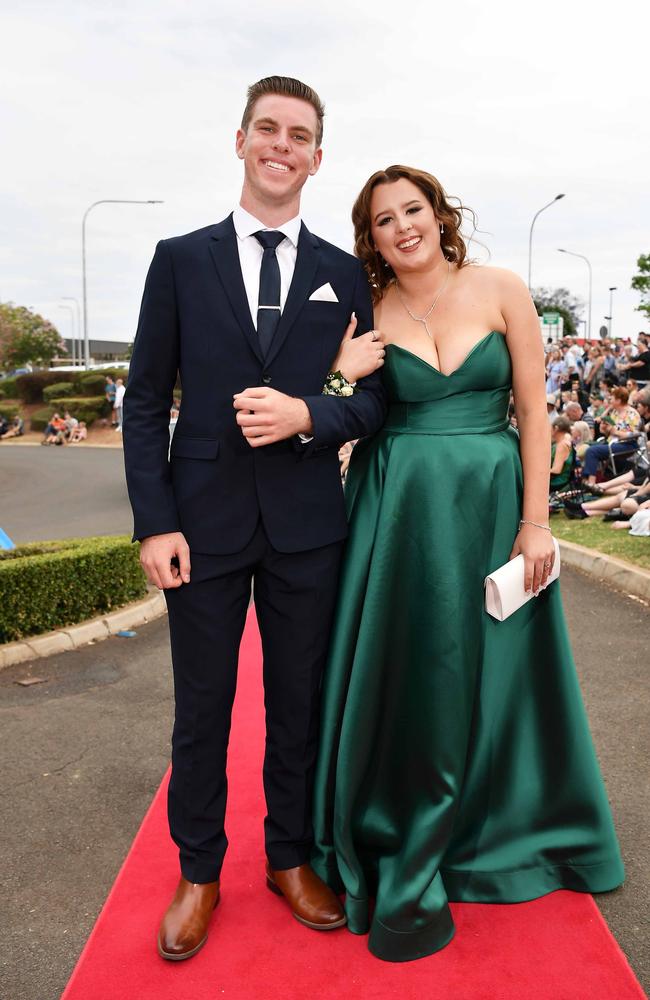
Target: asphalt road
84	752
62	492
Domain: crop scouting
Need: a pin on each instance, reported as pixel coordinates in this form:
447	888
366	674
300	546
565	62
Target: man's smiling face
279	148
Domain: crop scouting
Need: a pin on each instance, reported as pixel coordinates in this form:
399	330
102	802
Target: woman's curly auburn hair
452	242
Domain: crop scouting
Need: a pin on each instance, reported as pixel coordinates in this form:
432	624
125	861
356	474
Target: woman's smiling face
404	227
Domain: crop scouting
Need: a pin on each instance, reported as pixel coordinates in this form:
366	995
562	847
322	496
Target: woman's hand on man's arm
360	356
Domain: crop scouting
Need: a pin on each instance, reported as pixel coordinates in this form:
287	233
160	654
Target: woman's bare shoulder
385	305
501	276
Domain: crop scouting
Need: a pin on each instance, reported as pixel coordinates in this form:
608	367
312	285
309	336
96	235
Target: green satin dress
455	757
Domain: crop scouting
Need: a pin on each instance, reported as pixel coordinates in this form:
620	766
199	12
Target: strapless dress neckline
465	360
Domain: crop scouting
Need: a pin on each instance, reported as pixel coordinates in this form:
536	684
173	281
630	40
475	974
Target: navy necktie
268	309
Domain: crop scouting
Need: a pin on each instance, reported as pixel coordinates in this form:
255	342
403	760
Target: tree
561	301
641	283
26	337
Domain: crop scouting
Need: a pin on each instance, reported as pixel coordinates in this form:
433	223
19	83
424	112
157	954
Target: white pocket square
324	294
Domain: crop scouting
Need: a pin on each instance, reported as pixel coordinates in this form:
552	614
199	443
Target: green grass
593	534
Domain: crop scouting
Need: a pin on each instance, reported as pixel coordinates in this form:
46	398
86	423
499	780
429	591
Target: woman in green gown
455	757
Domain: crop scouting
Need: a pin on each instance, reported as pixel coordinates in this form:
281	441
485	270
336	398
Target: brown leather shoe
184	928
312	902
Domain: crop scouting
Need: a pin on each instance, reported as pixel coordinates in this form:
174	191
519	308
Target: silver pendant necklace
423	319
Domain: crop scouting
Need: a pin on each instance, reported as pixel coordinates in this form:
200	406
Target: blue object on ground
126	633
5	541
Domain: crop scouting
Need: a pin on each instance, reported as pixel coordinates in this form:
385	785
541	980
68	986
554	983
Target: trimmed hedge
8	387
30	387
59	389
46	585
41	418
86	408
92	383
122	373
9	410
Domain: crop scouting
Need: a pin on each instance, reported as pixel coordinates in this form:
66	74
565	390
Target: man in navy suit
250	313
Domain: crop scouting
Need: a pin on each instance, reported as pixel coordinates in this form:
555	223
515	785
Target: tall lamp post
586	260
611	308
102	201
71	298
72	325
530	238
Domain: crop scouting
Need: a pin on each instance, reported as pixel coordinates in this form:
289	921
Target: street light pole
72	324
530	238
586	260
102	201
75	355
611	309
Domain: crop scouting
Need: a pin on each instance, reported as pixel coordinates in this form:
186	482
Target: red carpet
554	948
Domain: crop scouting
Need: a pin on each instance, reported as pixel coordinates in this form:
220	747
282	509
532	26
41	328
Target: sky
506	103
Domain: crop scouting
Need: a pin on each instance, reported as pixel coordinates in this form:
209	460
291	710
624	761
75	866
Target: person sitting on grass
15	429
70	424
629	509
633	388
562	457
78	433
628	500
54	432
619	421
643	407
582	436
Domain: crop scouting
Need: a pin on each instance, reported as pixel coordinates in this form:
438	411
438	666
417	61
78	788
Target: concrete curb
92	630
610	570
614	572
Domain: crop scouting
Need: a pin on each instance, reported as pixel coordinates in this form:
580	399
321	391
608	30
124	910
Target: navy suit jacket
195	320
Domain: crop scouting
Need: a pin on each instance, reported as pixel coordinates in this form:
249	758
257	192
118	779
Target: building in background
100	351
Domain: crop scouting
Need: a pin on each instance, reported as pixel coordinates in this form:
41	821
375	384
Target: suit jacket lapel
225	255
307	260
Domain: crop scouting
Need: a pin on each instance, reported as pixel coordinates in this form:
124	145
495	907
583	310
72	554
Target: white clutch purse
504	589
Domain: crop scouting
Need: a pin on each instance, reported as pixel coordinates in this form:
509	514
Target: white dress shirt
250	260
251	251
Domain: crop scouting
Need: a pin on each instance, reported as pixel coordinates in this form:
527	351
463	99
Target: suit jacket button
266	378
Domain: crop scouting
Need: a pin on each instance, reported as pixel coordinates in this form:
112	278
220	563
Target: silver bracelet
535	524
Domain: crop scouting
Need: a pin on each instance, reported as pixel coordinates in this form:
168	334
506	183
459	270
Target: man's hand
156	554
266	416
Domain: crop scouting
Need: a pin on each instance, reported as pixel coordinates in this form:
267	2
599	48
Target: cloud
142	101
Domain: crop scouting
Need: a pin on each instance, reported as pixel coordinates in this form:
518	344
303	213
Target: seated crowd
600	423
10	430
64	429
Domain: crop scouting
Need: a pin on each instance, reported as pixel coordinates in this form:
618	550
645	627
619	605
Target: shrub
9	410
98	378
91	384
47	585
9	388
122	373
30	387
87	408
58	389
41	418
